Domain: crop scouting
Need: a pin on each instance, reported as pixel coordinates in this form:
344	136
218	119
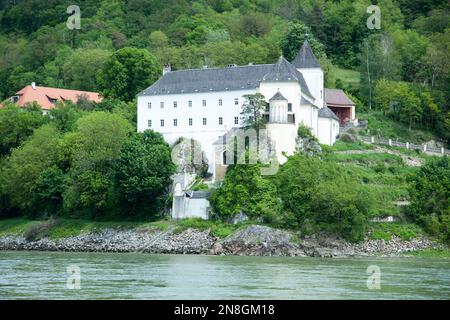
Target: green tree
411	48
82	67
17	124
317	196
143	171
430	193
26	163
245	191
293	40
252	114
94	148
47	192
378	59
128	71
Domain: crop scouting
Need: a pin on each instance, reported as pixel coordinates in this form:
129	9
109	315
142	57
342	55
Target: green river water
43	275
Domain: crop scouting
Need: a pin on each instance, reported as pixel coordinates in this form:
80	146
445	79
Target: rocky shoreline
251	241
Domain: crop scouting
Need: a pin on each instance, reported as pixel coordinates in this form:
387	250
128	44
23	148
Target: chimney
33	85
167	68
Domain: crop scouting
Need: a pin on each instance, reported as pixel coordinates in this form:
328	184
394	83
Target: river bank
253	240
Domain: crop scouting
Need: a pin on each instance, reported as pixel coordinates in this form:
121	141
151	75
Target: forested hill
122	45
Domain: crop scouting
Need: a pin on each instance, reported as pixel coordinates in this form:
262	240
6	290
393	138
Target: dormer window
14	99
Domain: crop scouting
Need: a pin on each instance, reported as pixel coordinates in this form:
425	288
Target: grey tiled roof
326	112
221	79
278	96
282	71
305	58
337	97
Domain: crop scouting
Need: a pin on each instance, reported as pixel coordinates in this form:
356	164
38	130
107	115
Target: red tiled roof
337	97
44	95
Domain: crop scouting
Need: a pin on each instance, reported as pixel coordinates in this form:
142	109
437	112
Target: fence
410	146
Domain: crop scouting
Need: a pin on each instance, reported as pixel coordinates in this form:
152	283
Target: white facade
329	130
206	115
314	79
219	110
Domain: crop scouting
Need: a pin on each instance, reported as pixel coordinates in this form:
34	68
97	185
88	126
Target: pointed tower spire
305	57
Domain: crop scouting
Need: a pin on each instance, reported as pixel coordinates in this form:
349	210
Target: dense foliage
430	192
82	164
307	194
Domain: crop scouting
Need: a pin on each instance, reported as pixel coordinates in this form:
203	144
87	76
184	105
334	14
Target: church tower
307	64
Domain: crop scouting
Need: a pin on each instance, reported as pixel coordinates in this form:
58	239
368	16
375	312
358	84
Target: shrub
347	137
244	190
40	230
317	195
430	192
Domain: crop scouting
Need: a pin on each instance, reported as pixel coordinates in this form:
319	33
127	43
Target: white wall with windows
200	116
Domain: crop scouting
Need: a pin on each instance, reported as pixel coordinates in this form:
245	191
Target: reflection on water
42	275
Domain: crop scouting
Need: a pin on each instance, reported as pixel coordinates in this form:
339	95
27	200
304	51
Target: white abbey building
205	104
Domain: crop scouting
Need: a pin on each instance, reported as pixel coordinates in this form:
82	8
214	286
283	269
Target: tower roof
282	71
278	97
305	57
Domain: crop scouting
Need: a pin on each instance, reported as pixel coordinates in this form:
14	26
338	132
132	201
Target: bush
304	131
347	137
317	195
40	230
430	192
244	190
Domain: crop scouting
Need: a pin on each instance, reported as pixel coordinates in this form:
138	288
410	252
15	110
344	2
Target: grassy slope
393	129
349	78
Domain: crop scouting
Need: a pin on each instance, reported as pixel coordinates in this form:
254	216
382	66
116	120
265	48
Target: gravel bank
251	241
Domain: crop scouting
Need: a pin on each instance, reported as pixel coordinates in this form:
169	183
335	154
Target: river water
43	275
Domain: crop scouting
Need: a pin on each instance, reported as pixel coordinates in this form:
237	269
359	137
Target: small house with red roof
48	97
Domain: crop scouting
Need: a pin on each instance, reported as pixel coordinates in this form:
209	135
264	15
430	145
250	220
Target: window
220	102
236	101
162	122
190	121
289	107
321	94
190	103
175	122
149	123
220	121
149	105
204	103
204	121
236	120
175	104
162	105
267	108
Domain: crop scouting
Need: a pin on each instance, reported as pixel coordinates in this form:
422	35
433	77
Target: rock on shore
251	241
